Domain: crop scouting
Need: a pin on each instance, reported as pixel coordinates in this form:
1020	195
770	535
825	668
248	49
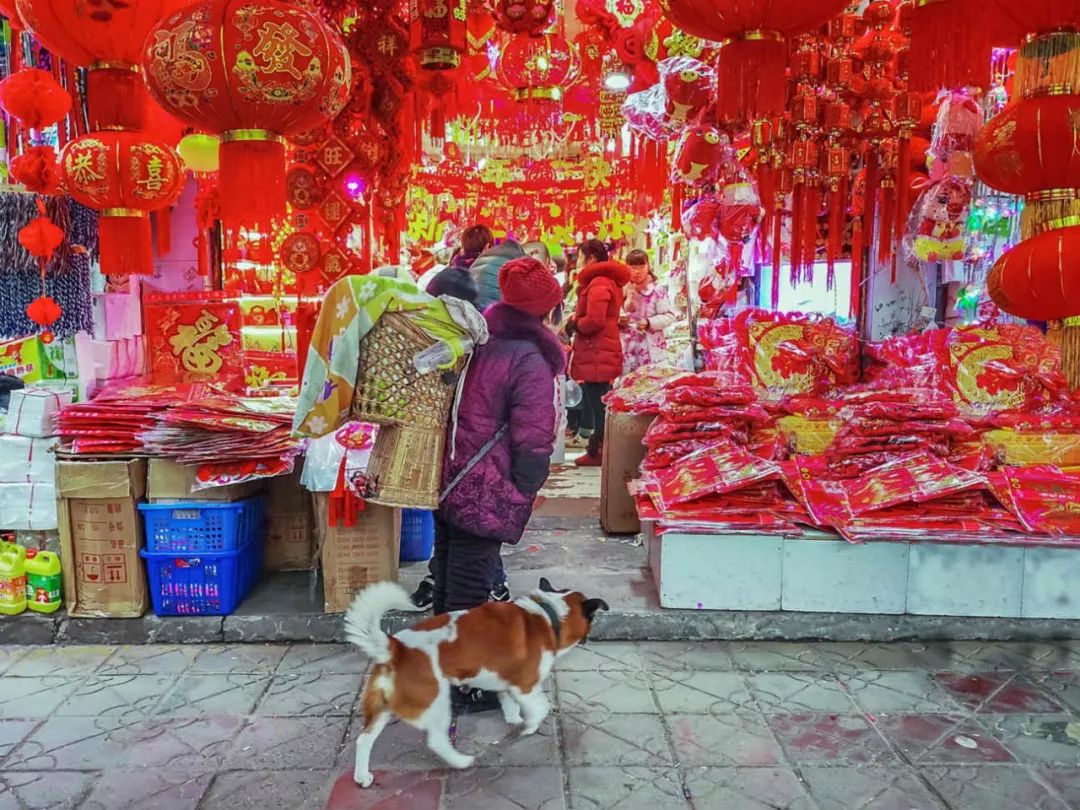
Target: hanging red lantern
1037	278
43	311
36	169
107	38
756	35
35	98
539	67
255	72
438	33
41	237
124	176
523	16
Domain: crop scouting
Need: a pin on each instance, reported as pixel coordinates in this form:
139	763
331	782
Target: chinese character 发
278	46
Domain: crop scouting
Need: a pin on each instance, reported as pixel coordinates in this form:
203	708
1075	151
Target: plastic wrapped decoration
937	231
699	155
740	214
959	121
689	88
646	113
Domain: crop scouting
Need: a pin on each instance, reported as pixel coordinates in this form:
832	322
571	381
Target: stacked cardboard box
353	557
290	534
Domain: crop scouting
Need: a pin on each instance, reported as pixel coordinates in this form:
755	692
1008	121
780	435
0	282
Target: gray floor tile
687	692
778	656
13	732
504	788
188	744
72	743
198	695
148	788
9	654
834	740
332	659
698	655
620	691
877	691
269	790
627	788
602	656
256	659
50	790
287	742
1039	739
869	788
150	659
131	697
938	738
310	694
495	744
1001	787
614	739
747	789
740	738
34	697
60	660
799	693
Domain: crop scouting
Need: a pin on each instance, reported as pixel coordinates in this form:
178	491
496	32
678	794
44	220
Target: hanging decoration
254	72
528	17
35	98
124	176
35	168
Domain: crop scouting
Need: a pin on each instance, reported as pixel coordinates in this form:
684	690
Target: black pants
594	412
464	567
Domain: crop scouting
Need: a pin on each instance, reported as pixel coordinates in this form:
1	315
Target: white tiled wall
761	572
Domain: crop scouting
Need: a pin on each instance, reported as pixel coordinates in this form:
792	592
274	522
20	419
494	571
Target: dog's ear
546	586
590	606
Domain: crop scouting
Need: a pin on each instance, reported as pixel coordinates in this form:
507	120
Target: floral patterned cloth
640	348
350	310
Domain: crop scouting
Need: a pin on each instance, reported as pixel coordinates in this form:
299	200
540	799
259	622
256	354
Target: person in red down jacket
597	354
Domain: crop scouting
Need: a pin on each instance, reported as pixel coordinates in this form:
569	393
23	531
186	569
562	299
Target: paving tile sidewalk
705	726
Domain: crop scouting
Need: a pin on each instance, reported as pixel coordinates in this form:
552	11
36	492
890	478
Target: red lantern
124	176
539	67
35	98
756	34
253	71
523	16
40	237
438	34
1036	16
1037	279
43	311
106	36
36	169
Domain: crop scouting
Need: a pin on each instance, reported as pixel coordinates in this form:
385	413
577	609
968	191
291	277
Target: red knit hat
529	286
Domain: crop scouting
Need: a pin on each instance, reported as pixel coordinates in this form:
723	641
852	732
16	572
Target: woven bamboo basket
406	467
389	389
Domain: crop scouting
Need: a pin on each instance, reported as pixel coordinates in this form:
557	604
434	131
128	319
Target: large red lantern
124	176
1038	278
438	32
755	36
539	67
948	49
254	71
523	16
107	37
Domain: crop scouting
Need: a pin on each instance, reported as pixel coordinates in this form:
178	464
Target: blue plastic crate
417	535
203	526
206	584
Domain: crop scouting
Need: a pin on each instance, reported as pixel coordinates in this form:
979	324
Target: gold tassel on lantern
1066	336
1049	65
1049	210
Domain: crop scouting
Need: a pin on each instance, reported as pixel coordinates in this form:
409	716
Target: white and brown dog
505	647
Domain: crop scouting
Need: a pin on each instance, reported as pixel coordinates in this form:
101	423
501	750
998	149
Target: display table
820	573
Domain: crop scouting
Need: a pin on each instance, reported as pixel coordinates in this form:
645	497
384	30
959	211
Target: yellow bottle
12	582
44	585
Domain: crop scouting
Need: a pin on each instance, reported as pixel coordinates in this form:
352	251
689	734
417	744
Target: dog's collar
553	617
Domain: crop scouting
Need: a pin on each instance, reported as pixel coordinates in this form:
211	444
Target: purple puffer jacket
511	380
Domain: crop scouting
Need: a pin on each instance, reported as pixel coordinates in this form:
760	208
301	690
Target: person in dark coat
510	384
456	280
485	271
598	353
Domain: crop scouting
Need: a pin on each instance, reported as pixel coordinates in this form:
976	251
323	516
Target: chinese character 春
197	345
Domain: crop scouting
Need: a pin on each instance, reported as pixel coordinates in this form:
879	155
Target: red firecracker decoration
255	72
36	169
124	176
756	36
524	16
107	38
35	98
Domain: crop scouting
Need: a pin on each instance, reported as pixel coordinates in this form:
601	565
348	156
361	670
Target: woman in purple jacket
505	429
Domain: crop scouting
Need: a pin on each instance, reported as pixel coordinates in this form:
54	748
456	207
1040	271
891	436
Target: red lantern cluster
255	72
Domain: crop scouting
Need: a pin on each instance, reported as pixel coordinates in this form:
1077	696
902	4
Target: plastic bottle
437	355
44	583
12	582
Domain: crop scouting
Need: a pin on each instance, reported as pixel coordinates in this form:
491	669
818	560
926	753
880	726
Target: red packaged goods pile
231	440
642	390
112	422
781	354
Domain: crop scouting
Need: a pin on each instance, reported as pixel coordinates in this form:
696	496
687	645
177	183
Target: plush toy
942	214
701	152
689	85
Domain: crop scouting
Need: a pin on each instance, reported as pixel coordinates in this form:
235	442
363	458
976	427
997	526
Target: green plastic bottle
12	582
44	584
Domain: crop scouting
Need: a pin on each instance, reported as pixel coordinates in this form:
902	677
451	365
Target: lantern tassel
885	230
870	194
676	207
125	244
836	233
797	232
856	266
252	178
752	79
117	97
778	250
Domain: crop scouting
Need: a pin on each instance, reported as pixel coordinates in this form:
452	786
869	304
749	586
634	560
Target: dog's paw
461	762
364	780
513	719
530	729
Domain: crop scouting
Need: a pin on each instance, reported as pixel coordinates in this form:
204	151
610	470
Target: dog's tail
363	620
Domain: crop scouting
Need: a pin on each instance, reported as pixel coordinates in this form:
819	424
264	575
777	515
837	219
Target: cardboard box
28	506
623	454
33	411
25	460
356	556
101	534
290	538
169	481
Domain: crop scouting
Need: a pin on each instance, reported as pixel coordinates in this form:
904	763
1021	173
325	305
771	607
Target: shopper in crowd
597	349
500	442
456	280
647	312
485	271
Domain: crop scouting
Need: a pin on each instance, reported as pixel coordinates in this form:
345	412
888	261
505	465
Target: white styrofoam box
951	580
28	506
1051	583
834	576
719	572
32	411
24	460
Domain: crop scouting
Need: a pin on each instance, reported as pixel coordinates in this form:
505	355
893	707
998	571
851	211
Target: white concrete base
819	573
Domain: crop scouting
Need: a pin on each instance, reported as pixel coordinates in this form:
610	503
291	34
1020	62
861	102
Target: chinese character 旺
198	345
278	46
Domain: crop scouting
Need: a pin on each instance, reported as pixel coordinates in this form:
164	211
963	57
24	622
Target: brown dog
505	647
